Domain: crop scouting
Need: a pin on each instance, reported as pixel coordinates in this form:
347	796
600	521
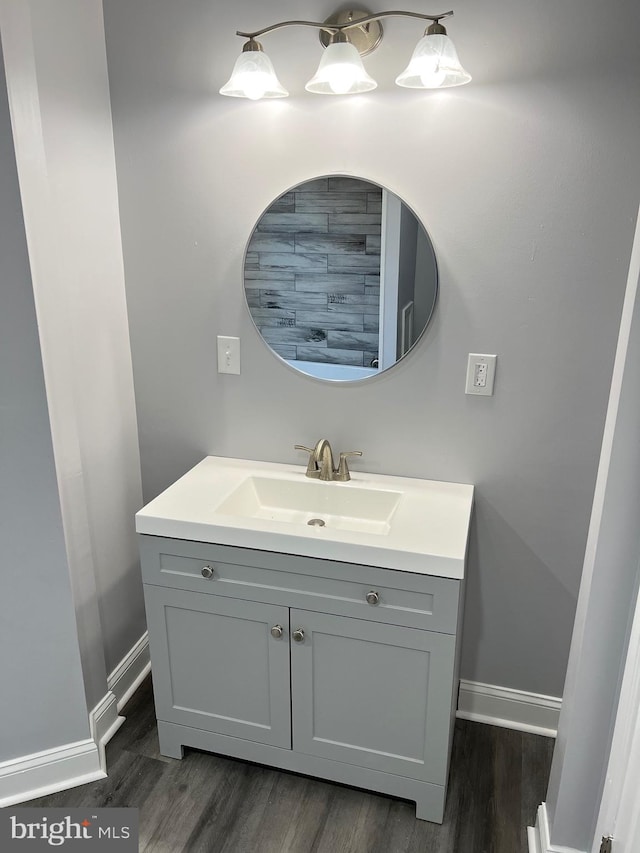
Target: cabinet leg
169	743
427	809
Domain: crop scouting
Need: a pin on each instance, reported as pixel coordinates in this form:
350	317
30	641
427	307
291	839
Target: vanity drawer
328	586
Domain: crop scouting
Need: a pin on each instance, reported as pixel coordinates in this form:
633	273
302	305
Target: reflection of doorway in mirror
406	338
408	280
389	259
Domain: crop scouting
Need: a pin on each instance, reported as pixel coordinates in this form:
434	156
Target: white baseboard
104	722
533	839
538	836
47	772
53	770
130	672
122	683
511	709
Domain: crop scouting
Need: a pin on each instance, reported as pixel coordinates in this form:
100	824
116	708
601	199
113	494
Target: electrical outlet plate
228	354
481	371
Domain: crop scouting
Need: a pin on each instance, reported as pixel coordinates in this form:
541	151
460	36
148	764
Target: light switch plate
228	354
481	371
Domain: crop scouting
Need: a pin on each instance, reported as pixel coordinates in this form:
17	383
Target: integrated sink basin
341	506
375	519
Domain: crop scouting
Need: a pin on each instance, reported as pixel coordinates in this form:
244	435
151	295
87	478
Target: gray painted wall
58	88
530	209
606	605
39	653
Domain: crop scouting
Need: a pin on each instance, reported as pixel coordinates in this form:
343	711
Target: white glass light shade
434	65
340	72
254	77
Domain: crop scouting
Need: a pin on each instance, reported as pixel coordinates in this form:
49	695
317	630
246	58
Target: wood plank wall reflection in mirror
340	278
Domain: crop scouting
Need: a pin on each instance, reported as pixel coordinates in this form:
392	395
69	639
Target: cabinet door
370	694
216	665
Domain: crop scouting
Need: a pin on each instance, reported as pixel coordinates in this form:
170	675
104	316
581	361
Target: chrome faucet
321	465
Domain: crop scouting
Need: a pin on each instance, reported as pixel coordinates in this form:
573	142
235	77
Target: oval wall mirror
340	278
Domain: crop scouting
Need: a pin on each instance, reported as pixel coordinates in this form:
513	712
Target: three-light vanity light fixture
346	37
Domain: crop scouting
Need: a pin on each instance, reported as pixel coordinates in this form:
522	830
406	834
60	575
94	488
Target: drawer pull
277	631
373	598
298	635
207	572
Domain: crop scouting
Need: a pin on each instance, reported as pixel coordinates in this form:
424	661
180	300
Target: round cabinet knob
373	598
277	631
207	572
298	635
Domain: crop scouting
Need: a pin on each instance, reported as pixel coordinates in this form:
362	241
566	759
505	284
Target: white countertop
427	531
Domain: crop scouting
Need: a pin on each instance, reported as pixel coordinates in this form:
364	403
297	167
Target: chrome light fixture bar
346	37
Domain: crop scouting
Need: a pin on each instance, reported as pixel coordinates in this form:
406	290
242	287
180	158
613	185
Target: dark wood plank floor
214	804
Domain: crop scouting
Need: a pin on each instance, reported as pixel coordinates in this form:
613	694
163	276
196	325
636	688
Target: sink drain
316	522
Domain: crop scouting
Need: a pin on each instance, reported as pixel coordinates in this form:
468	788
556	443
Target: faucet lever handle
312	467
343	468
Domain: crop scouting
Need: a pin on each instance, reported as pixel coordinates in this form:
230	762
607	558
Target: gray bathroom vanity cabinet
336	669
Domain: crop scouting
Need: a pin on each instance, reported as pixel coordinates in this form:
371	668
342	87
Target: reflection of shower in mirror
329	272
